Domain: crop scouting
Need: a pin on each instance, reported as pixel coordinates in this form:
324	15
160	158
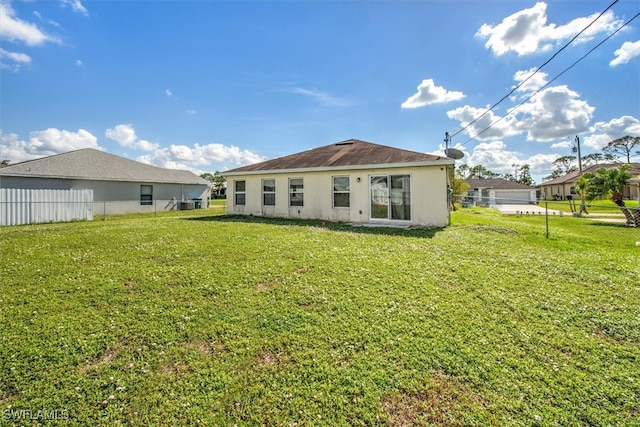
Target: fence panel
22	206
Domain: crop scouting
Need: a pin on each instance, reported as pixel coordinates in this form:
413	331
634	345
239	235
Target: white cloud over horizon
527	32
17	30
532	80
626	53
125	135
199	156
44	143
428	93
17	59
76	6
553	113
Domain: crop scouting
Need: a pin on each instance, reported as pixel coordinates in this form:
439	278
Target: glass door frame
385	196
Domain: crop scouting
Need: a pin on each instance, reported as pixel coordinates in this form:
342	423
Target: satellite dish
452	153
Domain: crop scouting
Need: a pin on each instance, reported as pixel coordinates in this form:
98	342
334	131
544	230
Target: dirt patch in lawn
442	402
209	348
109	355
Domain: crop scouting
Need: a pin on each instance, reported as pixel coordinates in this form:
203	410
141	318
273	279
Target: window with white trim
239	192
341	192
296	192
268	192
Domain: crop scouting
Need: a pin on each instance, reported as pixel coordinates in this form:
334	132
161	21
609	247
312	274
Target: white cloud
527	32
199	156
125	135
323	98
429	93
76	6
502	127
533	81
16	59
44	143
604	132
555	112
496	157
626	53
17	30
79	63
168	92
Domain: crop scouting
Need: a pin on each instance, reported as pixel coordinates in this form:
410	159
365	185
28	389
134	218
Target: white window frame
336	192
268	193
237	192
296	192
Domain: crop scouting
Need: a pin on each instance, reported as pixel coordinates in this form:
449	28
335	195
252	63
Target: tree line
621	148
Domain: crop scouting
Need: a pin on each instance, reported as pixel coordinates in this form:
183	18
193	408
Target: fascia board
444	162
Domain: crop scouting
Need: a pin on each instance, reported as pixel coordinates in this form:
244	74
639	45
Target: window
146	194
341	195
268	192
240	192
296	192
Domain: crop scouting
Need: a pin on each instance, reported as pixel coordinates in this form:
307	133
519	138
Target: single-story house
350	181
491	192
562	188
119	185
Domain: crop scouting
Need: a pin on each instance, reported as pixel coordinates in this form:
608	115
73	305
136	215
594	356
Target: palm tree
608	183
581	187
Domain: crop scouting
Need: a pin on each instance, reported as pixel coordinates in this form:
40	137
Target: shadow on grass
334	226
613	224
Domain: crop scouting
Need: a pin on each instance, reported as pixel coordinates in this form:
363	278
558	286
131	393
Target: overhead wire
536	71
550	81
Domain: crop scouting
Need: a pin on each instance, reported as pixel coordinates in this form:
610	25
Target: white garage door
512	197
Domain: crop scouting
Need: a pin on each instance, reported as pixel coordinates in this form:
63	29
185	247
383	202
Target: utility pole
583	207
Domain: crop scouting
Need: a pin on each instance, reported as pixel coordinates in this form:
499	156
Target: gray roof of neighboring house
92	164
497	184
572	177
344	154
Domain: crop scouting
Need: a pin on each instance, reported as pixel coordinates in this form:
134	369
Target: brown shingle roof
573	177
89	163
351	152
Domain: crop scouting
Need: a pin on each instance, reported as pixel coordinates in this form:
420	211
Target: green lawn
597	206
194	317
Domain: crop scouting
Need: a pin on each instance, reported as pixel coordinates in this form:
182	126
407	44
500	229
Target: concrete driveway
526	210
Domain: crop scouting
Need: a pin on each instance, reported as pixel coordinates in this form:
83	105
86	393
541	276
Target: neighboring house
491	192
119	185
562	188
350	181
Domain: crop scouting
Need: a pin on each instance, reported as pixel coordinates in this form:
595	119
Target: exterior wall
428	196
114	197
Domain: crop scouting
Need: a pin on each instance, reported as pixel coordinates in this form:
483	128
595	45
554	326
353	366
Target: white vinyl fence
21	206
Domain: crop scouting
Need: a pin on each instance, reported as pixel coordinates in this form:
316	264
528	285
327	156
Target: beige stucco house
351	181
562	188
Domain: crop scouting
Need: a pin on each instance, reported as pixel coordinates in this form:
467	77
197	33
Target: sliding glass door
390	197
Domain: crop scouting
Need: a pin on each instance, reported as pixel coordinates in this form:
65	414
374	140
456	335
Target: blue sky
212	85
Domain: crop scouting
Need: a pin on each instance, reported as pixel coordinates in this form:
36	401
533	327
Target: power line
535	72
551	81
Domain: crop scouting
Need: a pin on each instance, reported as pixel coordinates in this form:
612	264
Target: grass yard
194	317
